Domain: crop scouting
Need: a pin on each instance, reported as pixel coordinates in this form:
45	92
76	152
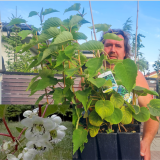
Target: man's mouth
112	57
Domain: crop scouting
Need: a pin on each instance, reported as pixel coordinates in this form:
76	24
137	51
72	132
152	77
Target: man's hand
145	150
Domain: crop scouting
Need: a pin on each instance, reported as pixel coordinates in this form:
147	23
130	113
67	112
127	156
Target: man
121	50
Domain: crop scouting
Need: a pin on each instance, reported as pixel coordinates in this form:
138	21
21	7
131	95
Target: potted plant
105	108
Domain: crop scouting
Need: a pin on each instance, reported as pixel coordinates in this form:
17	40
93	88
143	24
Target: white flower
30	114
57	134
7	146
38	127
40	146
27	154
12	157
56	119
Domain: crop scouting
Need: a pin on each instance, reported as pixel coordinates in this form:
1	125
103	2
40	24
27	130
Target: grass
60	151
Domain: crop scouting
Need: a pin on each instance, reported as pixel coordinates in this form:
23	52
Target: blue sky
114	13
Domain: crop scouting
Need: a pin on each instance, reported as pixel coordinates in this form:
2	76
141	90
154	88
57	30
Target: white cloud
151	63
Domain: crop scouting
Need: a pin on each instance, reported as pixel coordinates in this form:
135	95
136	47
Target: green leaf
52	22
20	130
98	82
63	38
83	21
101	27
63	108
127	115
46	73
40	98
50	10
79	138
61	57
130	107
71	72
82	96
104	108
33	13
45	82
94	64
51	109
92	45
16	21
154	118
79	35
116	117
112	36
93	130
52	31
140	91
18	48
108	83
143	115
75	19
3	108
75	7
58	96
69	50
95	119
136	108
117	100
24	33
154	107
33	87
47	52
127	73
32	81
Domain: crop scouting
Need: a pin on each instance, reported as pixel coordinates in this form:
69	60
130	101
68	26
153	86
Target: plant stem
21	133
4	121
44	111
7	135
123	127
71	76
64	27
133	102
119	128
40	111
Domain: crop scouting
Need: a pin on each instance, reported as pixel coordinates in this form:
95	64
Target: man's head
117	49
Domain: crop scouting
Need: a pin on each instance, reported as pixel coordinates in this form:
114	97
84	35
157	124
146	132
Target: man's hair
126	40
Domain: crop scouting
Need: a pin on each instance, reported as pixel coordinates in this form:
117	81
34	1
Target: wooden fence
14	90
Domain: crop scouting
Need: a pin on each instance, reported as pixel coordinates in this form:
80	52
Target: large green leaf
127	73
46	73
136	108
18	48
116	117
52	22
58	96
127	115
117	100
32	81
154	118
33	87
79	138
94	64
71	72
3	108
61	57
32	13
130	107
63	38
50	10
51	109
140	91
104	108
75	7
75	19
154	107
16	21
79	35
82	96
91	45
63	108
69	50
52	31
45	82
143	115
51	49
24	33
40	98
101	27
112	36
98	82
95	119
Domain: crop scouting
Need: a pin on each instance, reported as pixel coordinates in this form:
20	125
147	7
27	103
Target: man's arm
150	127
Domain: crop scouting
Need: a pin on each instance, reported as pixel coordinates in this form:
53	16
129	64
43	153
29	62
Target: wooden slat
22	92
18	76
15	84
18	95
16	80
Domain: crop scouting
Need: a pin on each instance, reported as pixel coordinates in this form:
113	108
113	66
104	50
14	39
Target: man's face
115	49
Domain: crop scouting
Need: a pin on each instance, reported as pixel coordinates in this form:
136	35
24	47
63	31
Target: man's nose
113	48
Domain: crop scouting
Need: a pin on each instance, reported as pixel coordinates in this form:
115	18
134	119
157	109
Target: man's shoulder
141	81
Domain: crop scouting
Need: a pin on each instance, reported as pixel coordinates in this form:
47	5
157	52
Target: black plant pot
107	146
129	144
90	150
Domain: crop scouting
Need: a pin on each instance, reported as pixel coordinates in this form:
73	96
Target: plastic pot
129	144
107	146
